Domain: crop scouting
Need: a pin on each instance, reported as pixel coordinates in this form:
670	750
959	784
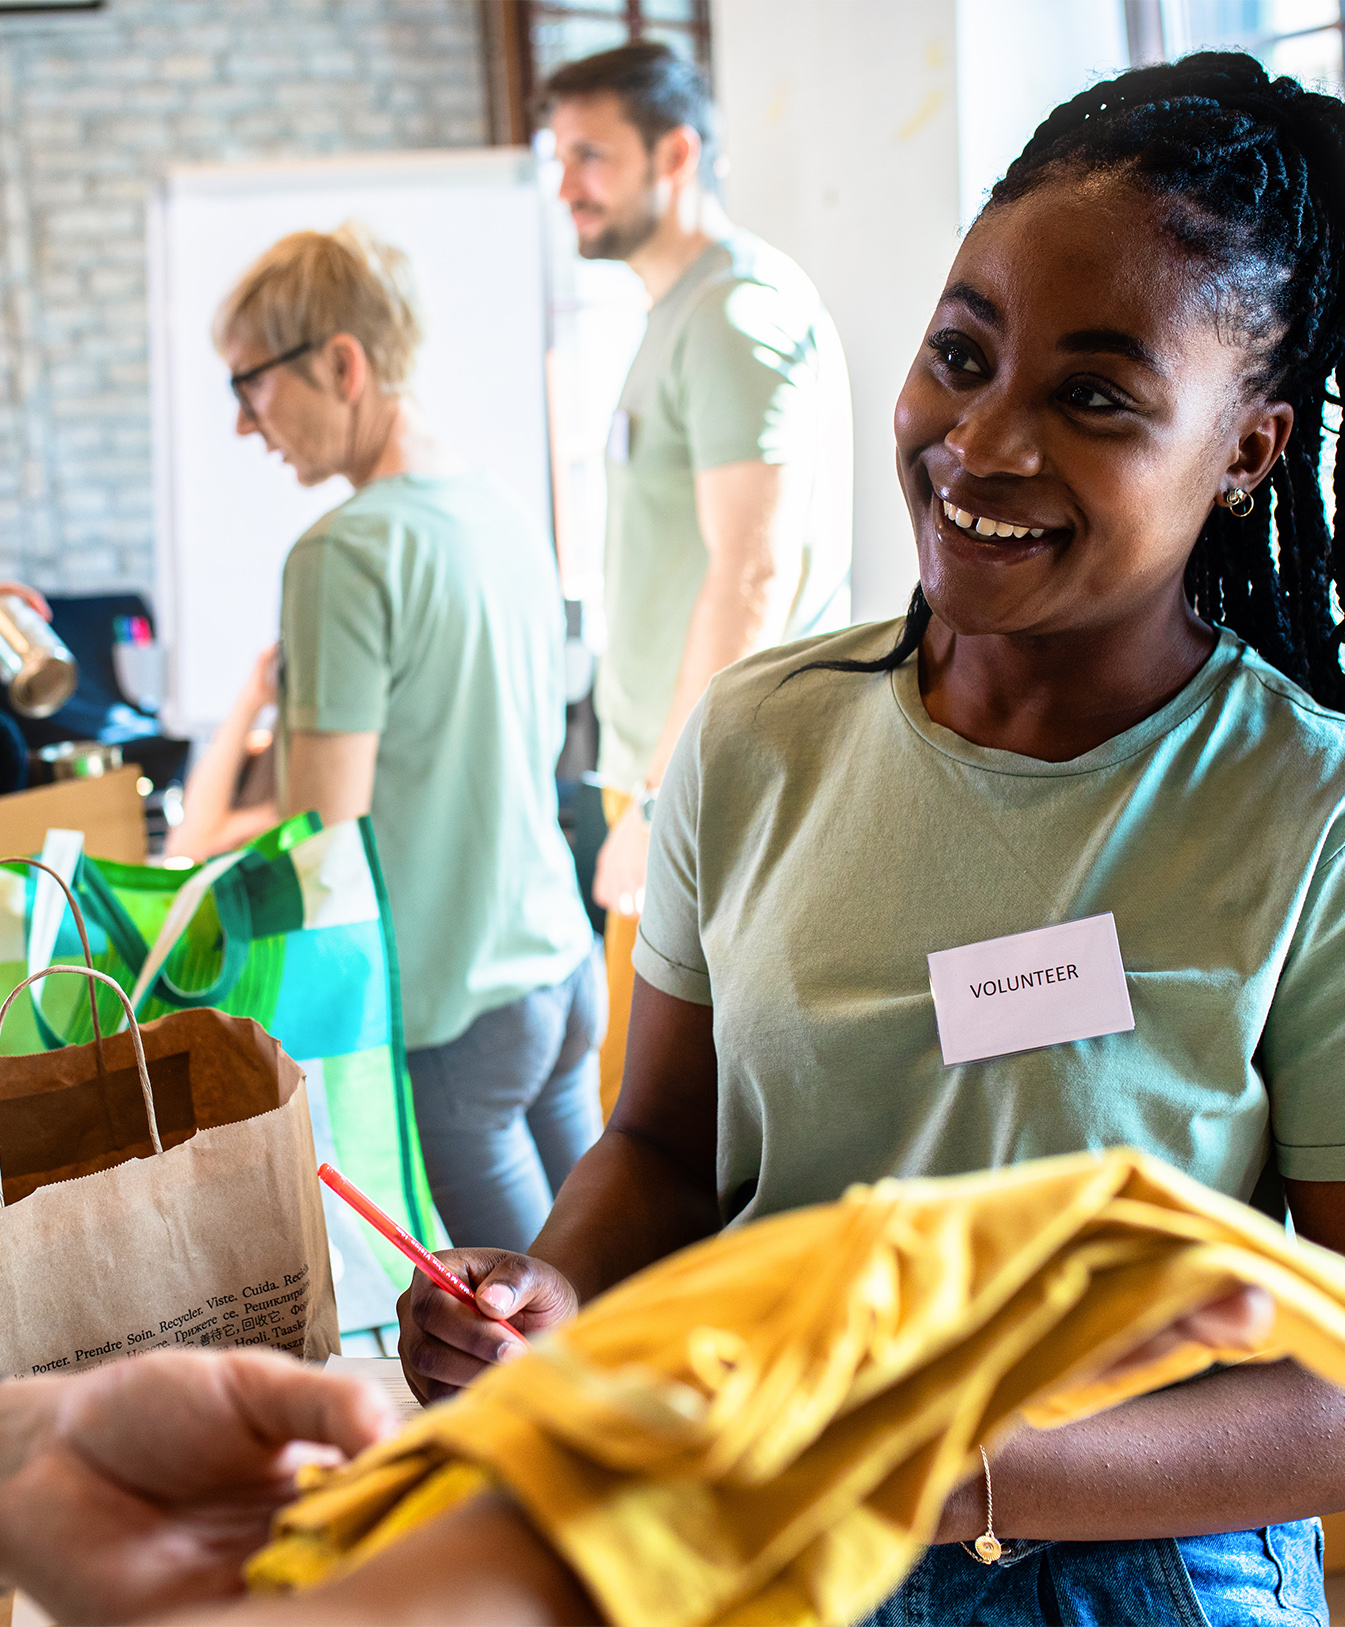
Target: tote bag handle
78	913
221	877
102	977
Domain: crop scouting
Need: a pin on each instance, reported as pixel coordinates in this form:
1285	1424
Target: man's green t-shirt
814	842
428	610
740	363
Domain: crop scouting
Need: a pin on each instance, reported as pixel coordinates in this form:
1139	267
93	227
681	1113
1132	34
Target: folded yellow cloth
763	1429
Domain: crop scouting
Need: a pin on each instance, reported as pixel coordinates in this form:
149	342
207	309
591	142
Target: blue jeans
1266	1578
506	1109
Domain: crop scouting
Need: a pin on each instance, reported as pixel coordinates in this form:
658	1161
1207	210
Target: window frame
1146	44
512	78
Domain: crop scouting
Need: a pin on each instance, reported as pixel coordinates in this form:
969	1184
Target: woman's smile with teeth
988	528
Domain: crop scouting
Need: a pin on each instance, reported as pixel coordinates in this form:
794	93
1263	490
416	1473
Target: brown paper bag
169	1200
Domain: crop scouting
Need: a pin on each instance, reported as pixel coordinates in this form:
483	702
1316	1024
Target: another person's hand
444	1344
262	686
30	596
623	859
145	1484
210	822
1239	1321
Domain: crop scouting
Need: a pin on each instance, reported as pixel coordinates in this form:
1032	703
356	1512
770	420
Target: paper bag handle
90	971
78	913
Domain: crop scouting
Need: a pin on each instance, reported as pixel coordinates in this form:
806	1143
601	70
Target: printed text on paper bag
270	1312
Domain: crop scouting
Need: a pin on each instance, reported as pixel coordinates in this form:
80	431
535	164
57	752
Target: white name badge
1047	987
618	437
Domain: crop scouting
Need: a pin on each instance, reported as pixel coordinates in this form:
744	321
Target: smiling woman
1117	694
1228	210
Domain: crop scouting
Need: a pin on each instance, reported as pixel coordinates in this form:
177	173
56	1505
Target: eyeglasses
239	382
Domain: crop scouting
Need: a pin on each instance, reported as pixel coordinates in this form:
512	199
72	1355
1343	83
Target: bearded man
729	464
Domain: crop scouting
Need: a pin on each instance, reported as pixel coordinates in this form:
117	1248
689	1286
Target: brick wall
93	106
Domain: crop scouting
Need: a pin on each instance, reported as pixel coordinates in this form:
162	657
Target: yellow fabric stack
764	1428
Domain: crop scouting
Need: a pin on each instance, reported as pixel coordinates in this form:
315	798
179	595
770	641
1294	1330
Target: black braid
913	630
1250	172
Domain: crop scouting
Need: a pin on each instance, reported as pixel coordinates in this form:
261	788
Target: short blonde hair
311	285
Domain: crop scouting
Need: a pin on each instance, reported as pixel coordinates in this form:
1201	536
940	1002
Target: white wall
841	130
859	134
1015	60
470	223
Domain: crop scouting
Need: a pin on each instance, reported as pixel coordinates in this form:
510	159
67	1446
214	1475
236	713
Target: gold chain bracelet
987	1548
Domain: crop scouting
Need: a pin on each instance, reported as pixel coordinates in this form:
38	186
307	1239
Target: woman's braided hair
1250	174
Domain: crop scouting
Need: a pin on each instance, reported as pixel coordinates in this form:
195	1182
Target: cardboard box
108	810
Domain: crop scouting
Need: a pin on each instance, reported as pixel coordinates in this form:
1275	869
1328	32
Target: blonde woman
420	682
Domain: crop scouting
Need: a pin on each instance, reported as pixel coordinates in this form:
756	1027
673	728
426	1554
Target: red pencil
435	1270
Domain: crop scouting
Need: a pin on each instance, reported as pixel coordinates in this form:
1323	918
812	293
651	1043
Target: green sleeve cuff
669	976
1308	1163
334	720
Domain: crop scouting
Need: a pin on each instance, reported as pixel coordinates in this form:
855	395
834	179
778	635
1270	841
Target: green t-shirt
428	610
813	843
739	363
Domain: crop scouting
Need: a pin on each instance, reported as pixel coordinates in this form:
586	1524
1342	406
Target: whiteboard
226	511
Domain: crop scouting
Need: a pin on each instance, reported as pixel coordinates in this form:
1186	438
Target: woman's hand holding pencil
477	1301
445	1345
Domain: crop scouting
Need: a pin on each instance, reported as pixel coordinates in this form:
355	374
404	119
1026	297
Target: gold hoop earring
1239	503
